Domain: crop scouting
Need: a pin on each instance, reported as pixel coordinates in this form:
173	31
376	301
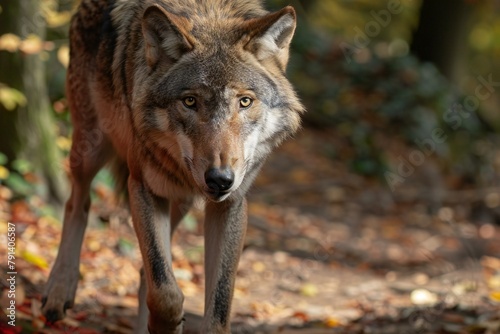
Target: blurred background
387	199
380	76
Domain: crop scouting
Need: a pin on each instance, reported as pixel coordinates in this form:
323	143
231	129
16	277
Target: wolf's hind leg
87	157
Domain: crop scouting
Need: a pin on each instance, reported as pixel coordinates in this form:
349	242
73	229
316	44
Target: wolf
185	99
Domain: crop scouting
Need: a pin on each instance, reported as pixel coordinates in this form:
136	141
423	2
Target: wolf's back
89	22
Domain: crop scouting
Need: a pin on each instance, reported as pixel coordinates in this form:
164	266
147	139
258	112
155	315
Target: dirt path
326	252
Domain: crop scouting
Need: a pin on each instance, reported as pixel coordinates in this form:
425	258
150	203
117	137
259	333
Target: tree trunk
10	68
441	36
31	129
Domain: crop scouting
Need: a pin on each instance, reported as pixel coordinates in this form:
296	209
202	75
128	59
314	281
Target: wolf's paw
165	326
152	329
59	296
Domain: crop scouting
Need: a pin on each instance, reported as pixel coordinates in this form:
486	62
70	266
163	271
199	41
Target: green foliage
3	159
22	166
380	95
376	96
19	185
364	102
17	179
104	177
11	98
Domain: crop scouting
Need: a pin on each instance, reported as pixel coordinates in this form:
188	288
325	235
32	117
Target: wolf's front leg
225	227
152	226
178	209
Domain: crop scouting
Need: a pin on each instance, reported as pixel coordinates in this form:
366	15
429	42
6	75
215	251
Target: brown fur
134	64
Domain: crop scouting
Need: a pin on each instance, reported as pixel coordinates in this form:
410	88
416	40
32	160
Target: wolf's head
215	93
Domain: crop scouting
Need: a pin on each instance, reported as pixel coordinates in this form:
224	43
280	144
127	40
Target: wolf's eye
245	102
189	102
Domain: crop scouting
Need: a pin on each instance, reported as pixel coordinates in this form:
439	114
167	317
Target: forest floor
326	252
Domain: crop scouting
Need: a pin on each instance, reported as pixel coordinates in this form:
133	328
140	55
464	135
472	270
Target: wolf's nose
218	179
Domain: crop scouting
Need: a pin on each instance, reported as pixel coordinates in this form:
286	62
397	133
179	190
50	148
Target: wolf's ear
270	35
165	35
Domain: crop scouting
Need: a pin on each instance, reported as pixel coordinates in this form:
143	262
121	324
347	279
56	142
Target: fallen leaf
495	296
301	315
423	297
332	322
34	259
258	267
309	290
494	282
